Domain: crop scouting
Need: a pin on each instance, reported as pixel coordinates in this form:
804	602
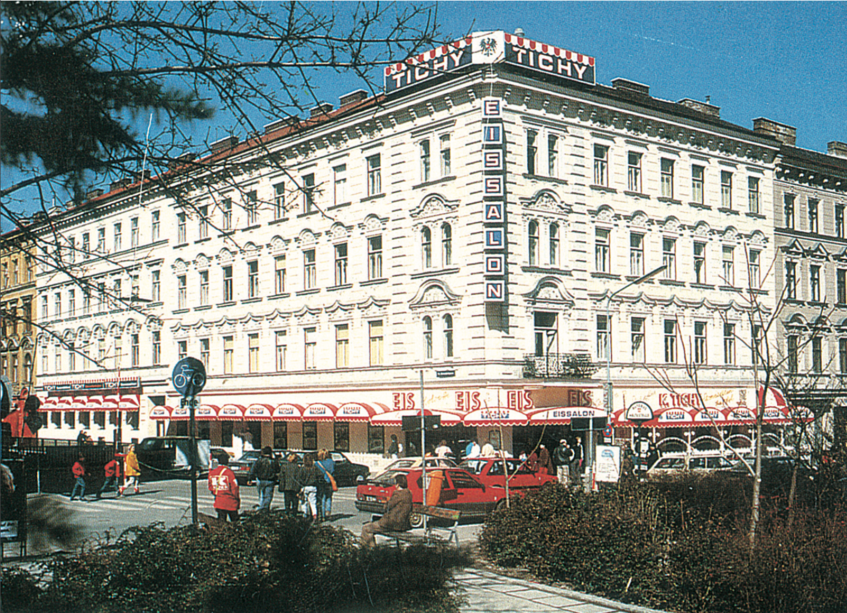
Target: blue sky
784	61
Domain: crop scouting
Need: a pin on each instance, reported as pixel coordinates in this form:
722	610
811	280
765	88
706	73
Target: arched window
28	369
426	247
448	336
554	244
533	243
446	244
427	334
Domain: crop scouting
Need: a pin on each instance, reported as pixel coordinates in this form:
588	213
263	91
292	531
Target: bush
267	563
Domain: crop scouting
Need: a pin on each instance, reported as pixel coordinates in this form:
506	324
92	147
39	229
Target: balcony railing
559	366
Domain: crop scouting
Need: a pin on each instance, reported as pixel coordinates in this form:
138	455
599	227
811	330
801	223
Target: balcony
558	366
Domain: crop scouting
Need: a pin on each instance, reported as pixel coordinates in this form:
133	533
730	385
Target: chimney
702	107
119	184
223	144
352	97
836	148
787	135
631	86
93	194
139	175
322	109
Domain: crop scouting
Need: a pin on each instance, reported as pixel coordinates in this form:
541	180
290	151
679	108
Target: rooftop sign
490	48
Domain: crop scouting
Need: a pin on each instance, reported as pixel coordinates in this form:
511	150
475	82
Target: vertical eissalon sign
494	199
490	48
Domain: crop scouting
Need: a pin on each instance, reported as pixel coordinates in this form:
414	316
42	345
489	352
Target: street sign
639	412
588	423
607	431
445	373
189	376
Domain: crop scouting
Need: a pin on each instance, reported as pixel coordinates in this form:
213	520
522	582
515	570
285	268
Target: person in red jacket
78	471
223	485
112	474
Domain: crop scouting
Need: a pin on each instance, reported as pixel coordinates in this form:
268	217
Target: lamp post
637	281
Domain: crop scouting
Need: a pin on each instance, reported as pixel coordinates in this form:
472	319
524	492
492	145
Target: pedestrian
443	450
394	448
578	459
488	450
78	470
396	516
224	487
562	459
472	450
265	472
112	472
82	438
307	479
132	471
288	483
326	480
544	462
532	462
522	455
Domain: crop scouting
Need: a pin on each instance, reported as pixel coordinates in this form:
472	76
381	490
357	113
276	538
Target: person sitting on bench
396	517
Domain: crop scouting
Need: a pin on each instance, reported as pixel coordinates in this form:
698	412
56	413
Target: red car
459	490
490	472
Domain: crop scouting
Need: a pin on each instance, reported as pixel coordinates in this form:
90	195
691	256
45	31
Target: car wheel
416	520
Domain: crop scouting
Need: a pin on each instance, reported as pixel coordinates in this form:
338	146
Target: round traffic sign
189	376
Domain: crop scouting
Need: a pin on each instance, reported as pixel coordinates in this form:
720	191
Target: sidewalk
488	592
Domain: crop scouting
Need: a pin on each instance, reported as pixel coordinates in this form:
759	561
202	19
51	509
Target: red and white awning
116	402
319	411
287	412
358	411
160	412
562	415
231	412
495	416
259	412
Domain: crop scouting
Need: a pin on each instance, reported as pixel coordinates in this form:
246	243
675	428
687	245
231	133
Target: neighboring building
473	221
17	296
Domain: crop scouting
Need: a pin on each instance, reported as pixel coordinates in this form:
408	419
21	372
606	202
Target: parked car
410	463
163	457
490	472
460	490
671	465
346	472
219	452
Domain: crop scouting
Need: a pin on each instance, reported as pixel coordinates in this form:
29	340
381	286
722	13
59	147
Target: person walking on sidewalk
326	466
112	473
562	458
307	479
224	487
78	470
265	472
132	471
288	483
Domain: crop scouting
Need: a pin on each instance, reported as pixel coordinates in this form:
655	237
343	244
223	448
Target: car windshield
249	456
387	478
473	466
670	463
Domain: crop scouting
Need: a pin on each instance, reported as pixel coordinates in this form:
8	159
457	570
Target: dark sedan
346	472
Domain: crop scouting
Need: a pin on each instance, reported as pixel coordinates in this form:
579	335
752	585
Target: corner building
480	219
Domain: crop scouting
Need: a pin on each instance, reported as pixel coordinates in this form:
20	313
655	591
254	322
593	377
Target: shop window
310	435
342	436
226	433
280	436
376	439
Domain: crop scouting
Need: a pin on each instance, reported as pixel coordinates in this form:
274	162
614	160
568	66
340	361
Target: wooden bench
432	533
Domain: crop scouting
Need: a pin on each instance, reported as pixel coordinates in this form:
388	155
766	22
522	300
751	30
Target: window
375	345
341	264
133	232
86	302
700	342
253	279
227	214
101	240
71	305
281	346
310	435
699	262
279	274
792	351
227	287
670	341
339	184
309	192
341	436
636	254
448	336
134	350
791	280
842	356
252	206
156	286
180	228
839	220
181	292
427	337
633	172
86	243
203	223
729	265
157	347
637	336
116	293
446	244
601	251
531	151
375	257
310	344
533	243
755	268
374	175
154	230
118	238
119	351
182	349
426	247
667	177
72	358
697	173
601	165
204	287
253	352
788	210
726	189
753	194
310	274
603	349
813	216
342	346
669	257
446	155
229	350
729	344
554	244
817	354
426	161
815	283
841	285
279	201
553	155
